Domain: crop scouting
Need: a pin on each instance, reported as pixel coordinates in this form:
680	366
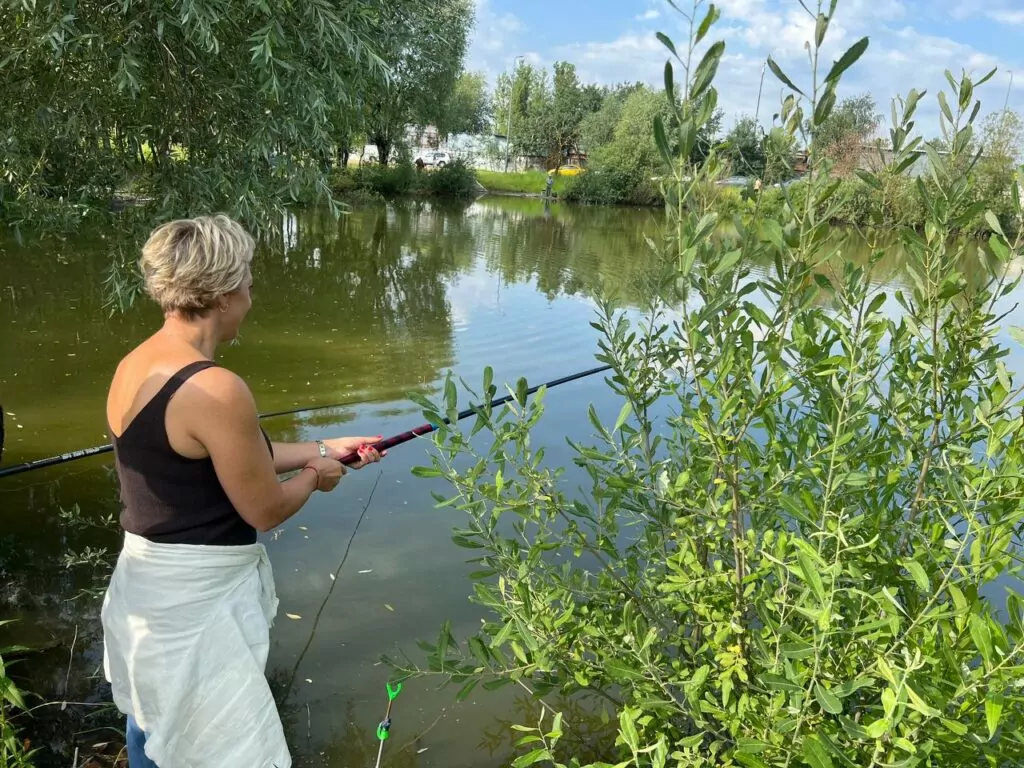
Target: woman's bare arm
223	418
292	456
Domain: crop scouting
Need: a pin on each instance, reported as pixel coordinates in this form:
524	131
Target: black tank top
169	498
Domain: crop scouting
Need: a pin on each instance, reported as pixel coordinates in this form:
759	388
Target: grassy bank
525	182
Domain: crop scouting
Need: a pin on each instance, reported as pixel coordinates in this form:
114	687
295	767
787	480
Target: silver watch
323	448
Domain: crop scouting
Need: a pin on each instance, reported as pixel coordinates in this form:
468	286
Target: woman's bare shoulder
221	382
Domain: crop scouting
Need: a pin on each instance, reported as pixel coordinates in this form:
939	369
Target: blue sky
912	43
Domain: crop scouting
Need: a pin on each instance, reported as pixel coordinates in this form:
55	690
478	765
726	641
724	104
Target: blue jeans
135	741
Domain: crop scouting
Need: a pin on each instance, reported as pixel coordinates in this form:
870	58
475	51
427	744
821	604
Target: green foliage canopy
208	106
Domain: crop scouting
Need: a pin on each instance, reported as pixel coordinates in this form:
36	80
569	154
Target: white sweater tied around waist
186	638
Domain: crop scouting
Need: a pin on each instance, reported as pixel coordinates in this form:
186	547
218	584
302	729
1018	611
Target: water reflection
358	312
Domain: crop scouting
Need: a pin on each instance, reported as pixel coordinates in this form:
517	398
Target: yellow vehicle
570	169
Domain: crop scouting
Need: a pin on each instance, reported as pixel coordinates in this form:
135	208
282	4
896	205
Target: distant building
479	151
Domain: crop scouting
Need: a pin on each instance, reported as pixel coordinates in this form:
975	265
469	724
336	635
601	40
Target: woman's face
238	304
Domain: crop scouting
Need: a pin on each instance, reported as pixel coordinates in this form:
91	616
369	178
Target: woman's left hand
340	447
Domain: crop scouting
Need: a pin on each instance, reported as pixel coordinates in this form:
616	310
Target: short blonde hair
188	263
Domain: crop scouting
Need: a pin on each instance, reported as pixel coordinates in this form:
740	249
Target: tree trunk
383	149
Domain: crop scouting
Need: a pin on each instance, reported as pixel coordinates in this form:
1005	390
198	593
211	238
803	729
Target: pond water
360	313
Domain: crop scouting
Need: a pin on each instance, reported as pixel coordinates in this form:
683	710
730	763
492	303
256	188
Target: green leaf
451	397
479	650
619	669
986	77
982	636
993	713
778	683
811	575
625	413
521	387
869	178
531	757
918	704
11	694
847	60
876	303
955	727
851	686
706	69
825	106
878	728
627	727
662	142
667	42
501	682
425	472
998	248
782	75
709	18
993	223
918	574
828	701
944	105
820	27
751	746
728	261
799	650
815	753
670	86
488	380
466	689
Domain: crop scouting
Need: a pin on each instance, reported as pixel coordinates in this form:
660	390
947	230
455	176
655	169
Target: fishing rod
83	453
352	458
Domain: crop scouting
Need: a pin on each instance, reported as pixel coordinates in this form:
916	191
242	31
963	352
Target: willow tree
424	45
196	106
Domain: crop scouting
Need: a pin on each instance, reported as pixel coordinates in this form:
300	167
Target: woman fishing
187	613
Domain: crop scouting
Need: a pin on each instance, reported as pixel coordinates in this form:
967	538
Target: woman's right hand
328	473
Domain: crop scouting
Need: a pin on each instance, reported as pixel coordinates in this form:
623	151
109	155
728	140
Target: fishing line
404	437
384	727
334	581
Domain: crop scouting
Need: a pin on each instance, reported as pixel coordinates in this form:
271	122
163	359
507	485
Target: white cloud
496	41
649	15
1008	17
1000	11
899	57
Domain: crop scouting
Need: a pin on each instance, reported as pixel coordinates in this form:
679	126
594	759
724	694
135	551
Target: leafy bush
897	202
386	180
790	531
13	752
608	185
372	183
455	181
